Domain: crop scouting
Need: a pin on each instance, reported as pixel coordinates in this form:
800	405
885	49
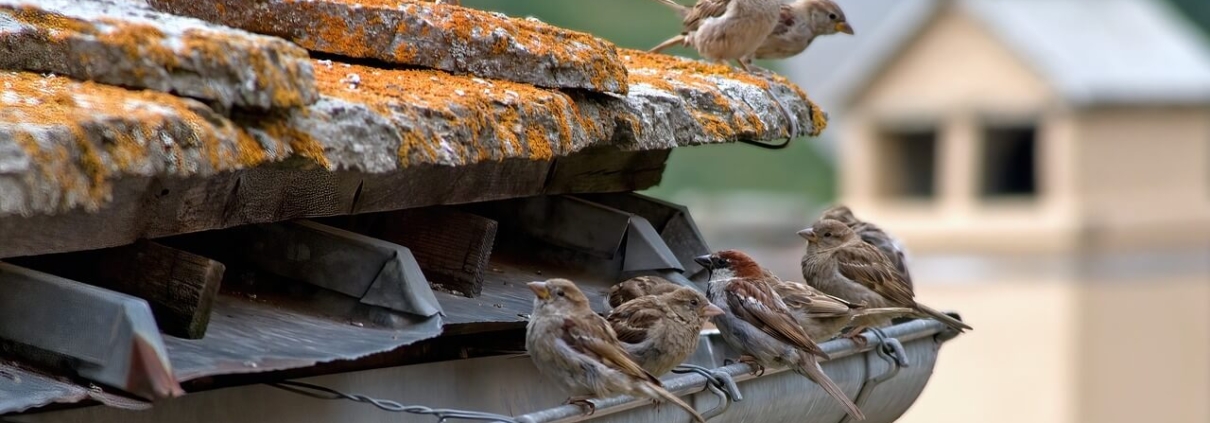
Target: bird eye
832	16
827	235
559	293
693	302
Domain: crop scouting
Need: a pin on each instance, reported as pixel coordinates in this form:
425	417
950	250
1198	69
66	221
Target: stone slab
123	43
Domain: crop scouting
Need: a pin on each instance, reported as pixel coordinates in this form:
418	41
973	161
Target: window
909	163
1009	162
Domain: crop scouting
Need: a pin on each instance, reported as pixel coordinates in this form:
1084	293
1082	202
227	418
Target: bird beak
539	289
704	261
712	310
807	234
844	27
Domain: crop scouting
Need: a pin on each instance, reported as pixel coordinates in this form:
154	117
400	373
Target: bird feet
854	335
758	369
584	403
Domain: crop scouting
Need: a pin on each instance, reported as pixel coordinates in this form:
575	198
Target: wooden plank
452	247
180	286
153	207
606	169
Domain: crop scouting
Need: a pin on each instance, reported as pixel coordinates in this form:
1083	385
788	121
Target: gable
954	64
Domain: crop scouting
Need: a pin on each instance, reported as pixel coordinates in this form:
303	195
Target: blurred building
1051	160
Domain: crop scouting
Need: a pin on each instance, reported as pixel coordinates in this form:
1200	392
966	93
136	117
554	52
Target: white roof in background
1090	51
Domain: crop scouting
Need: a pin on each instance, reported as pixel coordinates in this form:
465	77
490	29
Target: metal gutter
883	389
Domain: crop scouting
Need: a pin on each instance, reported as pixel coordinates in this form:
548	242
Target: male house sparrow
839	263
661	331
637	287
725	30
873	235
576	348
758	323
821	315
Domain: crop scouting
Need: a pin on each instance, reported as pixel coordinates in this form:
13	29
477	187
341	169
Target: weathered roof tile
438	36
61	141
121	43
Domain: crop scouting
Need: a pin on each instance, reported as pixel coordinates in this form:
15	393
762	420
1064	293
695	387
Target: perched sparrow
839	263
821	315
888	245
637	287
758	323
577	349
661	331
725	30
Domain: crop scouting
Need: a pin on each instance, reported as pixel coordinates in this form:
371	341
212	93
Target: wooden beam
180	286
154	207
451	246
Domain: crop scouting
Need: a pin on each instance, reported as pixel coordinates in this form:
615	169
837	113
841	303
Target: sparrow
576	348
661	331
725	30
839	263
637	287
798	24
873	235
821	315
758	323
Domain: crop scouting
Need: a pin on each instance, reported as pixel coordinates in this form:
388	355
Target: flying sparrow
577	349
757	322
661	331
725	30
799	23
873	235
839	263
637	287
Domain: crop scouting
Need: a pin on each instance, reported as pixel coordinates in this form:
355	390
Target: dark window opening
1009	162
909	164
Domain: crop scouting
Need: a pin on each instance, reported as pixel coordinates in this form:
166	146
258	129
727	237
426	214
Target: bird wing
864	264
591	335
703	10
633	320
877	237
756	303
814	302
785	21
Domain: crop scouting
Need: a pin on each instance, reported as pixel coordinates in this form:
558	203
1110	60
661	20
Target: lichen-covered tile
62	141
125	43
437	36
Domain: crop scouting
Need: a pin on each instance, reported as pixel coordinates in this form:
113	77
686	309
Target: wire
442	414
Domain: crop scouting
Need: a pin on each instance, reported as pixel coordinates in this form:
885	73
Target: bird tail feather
679	39
679	8
808	366
943	318
670	397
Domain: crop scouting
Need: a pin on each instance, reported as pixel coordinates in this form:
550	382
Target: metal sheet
246	336
21	390
62	317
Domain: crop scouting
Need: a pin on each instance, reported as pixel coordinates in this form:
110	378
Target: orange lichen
140	42
284	78
818	118
112	132
49	21
488	119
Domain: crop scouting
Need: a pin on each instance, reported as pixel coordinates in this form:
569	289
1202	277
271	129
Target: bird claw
758	369
855	335
583	402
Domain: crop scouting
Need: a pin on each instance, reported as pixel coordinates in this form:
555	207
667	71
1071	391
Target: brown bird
576	348
839	263
873	235
823	316
725	30
637	287
799	23
661	331
757	322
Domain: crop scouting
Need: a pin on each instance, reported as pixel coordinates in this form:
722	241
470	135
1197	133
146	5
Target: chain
442	414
